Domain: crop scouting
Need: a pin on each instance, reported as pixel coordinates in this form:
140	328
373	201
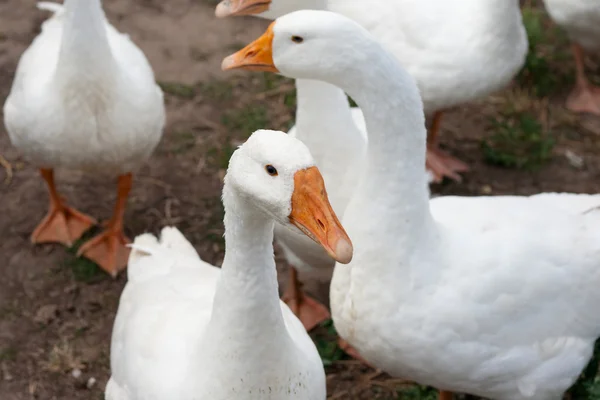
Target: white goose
336	137
84	97
581	20
186	330
458	51
493	296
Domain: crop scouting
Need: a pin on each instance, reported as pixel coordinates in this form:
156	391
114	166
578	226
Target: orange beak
229	8
313	215
257	56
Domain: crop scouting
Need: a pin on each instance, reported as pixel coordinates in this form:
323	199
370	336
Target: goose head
310	44
277	175
269	9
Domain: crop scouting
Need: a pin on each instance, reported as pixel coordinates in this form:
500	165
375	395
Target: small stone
46	314
7	376
575	160
91	382
76	373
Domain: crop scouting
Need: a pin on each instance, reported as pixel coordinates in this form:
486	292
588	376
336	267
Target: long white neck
324	123
246	304
388	216
84	51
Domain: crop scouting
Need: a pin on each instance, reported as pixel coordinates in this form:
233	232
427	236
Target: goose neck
85	50
246	302
391	201
323	117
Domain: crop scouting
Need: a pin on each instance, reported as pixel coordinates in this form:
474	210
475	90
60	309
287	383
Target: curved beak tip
343	251
222	10
227	63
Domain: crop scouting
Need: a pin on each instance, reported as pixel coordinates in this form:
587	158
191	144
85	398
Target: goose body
188	330
82	99
491	296
164	316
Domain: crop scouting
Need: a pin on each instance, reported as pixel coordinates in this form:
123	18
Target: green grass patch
327	344
182	141
545	52
246	120
418	393
518	142
8	354
271	81
84	270
217	90
218	157
178	89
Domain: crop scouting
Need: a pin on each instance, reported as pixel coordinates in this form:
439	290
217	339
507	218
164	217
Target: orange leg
62	224
307	309
446	395
585	97
439	162
109	249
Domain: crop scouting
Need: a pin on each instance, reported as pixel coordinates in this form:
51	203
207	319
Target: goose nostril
321	224
251	53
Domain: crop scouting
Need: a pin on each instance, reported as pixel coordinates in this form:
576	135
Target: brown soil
56	311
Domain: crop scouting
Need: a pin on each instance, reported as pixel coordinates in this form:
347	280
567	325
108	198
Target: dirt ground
56	311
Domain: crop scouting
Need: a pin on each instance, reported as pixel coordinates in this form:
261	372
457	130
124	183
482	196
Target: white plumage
493	296
188	330
83	99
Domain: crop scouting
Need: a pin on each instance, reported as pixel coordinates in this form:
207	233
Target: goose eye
271	170
297	39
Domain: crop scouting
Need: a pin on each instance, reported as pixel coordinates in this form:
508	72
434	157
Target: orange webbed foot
108	249
62	224
442	164
584	99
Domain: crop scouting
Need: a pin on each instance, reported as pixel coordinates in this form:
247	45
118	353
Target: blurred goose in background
581	20
84	97
187	330
492	296
458	51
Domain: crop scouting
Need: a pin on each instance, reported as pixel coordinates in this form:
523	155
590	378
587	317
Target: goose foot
109	249
310	312
438	162
442	164
584	99
62	224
